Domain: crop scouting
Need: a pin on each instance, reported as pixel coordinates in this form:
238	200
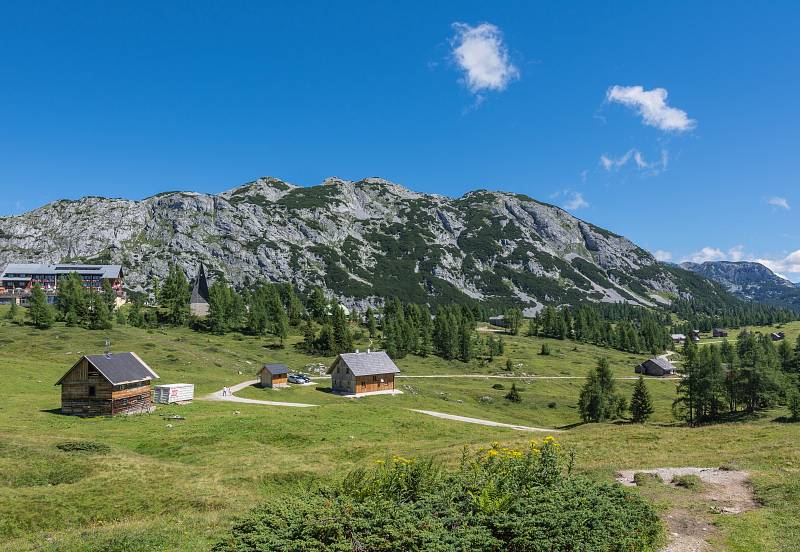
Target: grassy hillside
178	484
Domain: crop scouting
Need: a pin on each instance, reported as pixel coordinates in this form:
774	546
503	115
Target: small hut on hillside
658	366
274	375
105	385
357	373
198	304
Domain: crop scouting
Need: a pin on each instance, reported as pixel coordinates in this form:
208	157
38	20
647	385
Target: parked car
298	378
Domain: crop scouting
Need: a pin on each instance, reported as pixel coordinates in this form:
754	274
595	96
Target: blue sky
676	124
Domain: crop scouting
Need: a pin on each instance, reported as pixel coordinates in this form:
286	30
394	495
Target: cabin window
92	391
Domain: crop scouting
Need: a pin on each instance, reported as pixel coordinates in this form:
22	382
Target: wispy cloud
779	202
570	200
483	57
616	163
790	264
576	202
652	106
707	254
663	256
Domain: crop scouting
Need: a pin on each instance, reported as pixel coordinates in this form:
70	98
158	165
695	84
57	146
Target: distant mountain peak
750	280
361	240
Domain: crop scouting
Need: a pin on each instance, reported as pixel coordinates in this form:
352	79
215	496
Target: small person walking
225	391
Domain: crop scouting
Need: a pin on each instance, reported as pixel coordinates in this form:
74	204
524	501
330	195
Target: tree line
749	375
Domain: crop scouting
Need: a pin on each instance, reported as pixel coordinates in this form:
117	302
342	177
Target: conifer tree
309	336
121	318
370	320
40	312
318	305
175	296
109	296
513	394
99	317
219	306
13	311
342	338
641	403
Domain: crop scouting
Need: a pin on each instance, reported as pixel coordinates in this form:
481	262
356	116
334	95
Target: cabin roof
662	363
367	364
118	368
276	369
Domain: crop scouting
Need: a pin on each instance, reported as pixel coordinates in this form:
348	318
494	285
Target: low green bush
497	499
688	481
643	479
92	447
498	386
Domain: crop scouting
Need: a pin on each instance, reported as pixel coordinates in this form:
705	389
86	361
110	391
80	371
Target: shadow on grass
327	390
786	420
54	411
572	425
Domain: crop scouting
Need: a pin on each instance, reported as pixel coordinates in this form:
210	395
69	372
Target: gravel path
217	396
478	421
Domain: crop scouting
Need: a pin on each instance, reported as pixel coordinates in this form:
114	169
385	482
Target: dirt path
478	421
727	492
218	396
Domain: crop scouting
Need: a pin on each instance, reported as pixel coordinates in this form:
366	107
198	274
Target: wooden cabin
778	336
718	332
274	375
658	366
357	373
105	385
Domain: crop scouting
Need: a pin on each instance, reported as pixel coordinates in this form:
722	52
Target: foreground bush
498	499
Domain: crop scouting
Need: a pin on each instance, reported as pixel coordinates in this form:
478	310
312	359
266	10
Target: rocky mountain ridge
750	281
361	241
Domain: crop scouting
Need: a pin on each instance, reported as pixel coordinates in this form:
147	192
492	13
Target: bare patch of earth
724	492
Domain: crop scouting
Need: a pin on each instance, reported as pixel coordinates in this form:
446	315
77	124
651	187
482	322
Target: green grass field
178	484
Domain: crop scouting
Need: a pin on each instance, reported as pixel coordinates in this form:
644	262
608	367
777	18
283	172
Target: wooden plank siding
85	392
369	384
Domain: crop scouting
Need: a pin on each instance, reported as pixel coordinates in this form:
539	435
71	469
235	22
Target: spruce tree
641	403
121	318
40	312
513	395
309	336
371	326
99	317
175	296
318	305
13	311
341	332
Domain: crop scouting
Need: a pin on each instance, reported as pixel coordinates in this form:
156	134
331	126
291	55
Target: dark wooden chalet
656	367
778	336
357	373
718	332
105	385
274	375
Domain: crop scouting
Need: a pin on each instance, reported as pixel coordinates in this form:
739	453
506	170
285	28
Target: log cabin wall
85	392
280	379
132	398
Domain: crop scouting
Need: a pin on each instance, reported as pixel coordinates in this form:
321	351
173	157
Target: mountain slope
750	281
360	240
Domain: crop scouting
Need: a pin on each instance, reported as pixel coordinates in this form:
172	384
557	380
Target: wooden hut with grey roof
358	373
105	385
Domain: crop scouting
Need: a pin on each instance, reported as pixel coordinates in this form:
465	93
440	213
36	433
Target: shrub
643	479
92	447
509	365
498	386
552	404
497	499
688	481
513	395
545	350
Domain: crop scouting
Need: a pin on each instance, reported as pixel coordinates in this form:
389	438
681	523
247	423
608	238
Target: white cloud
790	264
779	202
482	55
616	163
707	254
663	256
652	107
576	202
